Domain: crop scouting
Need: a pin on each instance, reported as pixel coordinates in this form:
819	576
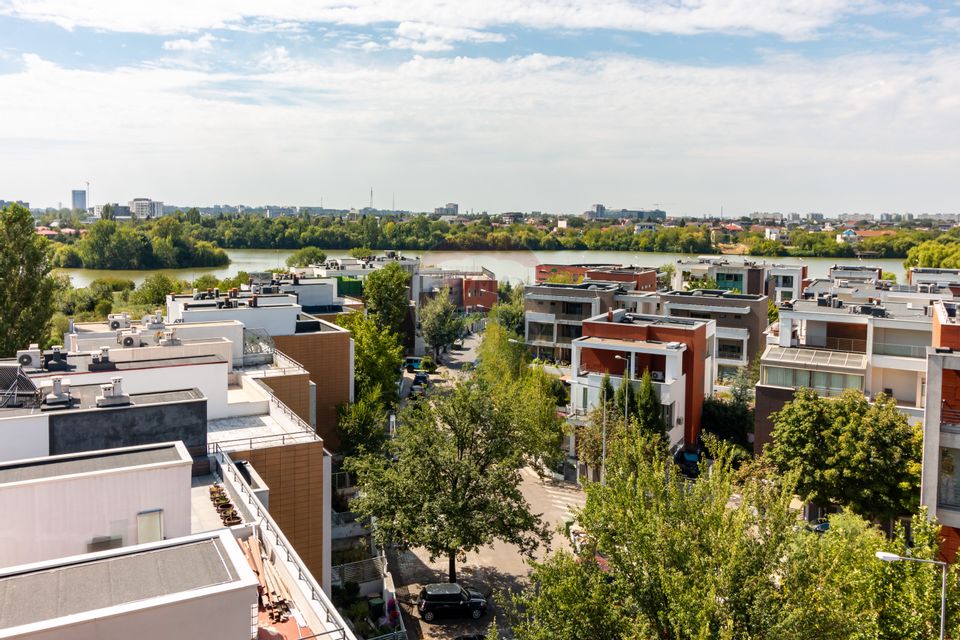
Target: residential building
827	344
575	272
6	203
78	199
317	296
854	273
741	321
449	209
929	275
554	314
678	352
600	212
278	322
785	281
744	277
145	208
470	289
940	474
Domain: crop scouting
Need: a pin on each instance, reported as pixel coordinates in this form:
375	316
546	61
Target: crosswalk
563	498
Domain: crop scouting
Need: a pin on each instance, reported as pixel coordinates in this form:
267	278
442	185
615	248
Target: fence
903	350
362	571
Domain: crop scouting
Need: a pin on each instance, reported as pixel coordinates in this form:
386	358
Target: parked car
688	461
450	600
412	364
421	379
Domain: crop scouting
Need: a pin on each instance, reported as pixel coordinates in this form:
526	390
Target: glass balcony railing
902	350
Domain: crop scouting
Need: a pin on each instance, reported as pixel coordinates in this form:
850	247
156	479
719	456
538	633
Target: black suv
448	599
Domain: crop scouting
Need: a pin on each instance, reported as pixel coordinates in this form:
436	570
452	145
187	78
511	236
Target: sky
499	105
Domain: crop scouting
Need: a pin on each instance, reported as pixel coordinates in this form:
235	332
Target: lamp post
886	556
626	380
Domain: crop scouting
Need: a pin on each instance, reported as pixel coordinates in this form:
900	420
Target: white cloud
203	43
792	19
419	36
532	132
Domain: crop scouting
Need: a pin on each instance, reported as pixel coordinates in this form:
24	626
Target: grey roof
55	592
86	463
807	358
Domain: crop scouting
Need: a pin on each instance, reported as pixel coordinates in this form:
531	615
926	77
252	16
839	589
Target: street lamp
626	380
886	556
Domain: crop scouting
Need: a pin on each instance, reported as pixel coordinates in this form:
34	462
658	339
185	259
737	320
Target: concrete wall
769	400
231	349
210	379
24	436
72	431
60	516
276	321
295	475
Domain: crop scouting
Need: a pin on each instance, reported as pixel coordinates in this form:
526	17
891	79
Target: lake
516	266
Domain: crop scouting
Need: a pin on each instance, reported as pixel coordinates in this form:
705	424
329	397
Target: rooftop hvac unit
31	358
129	338
153	321
169	339
118	321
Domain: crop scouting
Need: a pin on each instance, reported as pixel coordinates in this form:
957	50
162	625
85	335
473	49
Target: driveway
493	569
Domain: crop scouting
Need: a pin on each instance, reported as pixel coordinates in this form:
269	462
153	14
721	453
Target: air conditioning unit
118	321
657	376
31	358
130	338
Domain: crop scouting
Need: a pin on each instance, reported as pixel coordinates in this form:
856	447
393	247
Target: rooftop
714	294
621	343
83	397
92	461
814	358
83	584
590	285
650	320
895	310
251	432
80	362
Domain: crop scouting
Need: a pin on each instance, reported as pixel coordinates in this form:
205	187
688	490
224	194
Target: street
493	569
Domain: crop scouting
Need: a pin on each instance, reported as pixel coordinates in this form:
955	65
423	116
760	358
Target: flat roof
252	432
806	358
659	345
79	362
650	320
84	396
87	462
133	575
714	294
896	310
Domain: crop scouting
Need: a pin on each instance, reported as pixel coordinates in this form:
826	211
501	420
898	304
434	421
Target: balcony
902	350
949	418
852	345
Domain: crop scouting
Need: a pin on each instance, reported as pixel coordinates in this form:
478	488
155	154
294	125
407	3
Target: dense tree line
166	243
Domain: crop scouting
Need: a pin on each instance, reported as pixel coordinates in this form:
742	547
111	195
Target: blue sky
796	105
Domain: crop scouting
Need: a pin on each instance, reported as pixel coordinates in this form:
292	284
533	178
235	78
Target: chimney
104	353
111	395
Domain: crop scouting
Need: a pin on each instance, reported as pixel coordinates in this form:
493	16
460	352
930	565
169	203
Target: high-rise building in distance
79	199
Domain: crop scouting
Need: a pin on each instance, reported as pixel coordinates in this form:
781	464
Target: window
585	398
150	526
949	478
819	380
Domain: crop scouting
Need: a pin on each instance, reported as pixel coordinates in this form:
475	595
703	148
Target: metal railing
844	344
281	544
306	433
903	350
362	571
393	635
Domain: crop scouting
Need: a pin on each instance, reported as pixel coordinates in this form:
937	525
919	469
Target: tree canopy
306	257
386	297
727	558
27	286
440	323
451	480
377	357
849	451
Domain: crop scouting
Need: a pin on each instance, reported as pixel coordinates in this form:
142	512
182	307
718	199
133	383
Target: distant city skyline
834	106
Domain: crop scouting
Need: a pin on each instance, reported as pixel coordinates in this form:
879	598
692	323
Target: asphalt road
493	569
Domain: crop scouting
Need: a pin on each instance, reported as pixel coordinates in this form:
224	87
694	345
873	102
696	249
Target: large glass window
796	378
949	478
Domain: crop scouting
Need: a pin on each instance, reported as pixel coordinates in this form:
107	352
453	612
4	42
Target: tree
850	452
629	404
377	357
361	425
306	257
773	313
888	275
649	413
705	282
440	323
154	289
508	312
451	480
386	297
27	287
724	558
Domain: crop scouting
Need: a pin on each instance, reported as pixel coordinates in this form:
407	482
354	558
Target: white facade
61	515
222	338
277	316
25	435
